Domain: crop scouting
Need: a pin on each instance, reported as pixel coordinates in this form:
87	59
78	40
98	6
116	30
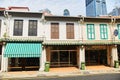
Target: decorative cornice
23	39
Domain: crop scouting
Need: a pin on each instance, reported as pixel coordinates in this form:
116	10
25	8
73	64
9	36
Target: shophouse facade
2	30
29	39
73	40
22	40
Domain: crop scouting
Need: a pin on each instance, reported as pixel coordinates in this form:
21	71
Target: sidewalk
32	74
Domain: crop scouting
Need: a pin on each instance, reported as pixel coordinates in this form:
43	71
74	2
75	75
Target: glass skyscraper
96	8
115	12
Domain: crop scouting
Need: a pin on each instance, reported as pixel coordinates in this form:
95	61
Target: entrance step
64	69
98	67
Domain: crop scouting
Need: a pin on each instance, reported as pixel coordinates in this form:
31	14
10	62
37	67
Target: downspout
82	22
113	20
43	21
4	64
82	48
6	15
111	28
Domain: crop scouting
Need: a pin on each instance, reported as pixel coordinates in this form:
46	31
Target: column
114	55
108	55
0	61
4	65
42	59
81	55
16	62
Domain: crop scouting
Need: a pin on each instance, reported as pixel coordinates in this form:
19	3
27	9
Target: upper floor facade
20	24
34	25
81	28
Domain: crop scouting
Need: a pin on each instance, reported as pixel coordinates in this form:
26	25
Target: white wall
62	30
97	30
80	30
40	31
3	26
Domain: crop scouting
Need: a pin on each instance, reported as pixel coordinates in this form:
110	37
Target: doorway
118	48
65	58
96	57
23	64
0	56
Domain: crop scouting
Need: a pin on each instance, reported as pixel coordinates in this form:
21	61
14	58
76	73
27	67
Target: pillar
114	55
108	55
42	59
16	61
0	61
81	55
4	64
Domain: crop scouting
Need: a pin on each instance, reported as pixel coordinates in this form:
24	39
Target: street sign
115	32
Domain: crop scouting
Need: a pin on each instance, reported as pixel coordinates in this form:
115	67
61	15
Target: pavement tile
54	72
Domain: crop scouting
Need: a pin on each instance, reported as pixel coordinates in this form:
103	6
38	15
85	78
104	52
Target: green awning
23	50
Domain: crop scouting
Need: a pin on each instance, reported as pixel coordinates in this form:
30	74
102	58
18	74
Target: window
32	30
118	26
70	30
18	27
54	30
90	31
88	2
103	31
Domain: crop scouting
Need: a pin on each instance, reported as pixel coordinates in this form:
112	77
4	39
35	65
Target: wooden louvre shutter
70	30
54	30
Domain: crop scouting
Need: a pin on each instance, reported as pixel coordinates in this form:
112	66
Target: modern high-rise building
115	12
66	12
96	8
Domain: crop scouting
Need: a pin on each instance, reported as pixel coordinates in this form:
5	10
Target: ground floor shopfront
63	56
32	56
21	56
96	57
23	64
0	55
118	49
101	55
73	56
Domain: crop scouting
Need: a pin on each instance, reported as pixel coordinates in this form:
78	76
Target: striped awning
23	50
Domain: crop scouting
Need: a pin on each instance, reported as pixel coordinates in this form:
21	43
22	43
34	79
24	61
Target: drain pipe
82	50
6	15
82	22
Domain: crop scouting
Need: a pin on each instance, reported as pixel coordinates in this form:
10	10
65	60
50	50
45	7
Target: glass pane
18	26
32	28
73	59
89	36
92	36
64	58
54	59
